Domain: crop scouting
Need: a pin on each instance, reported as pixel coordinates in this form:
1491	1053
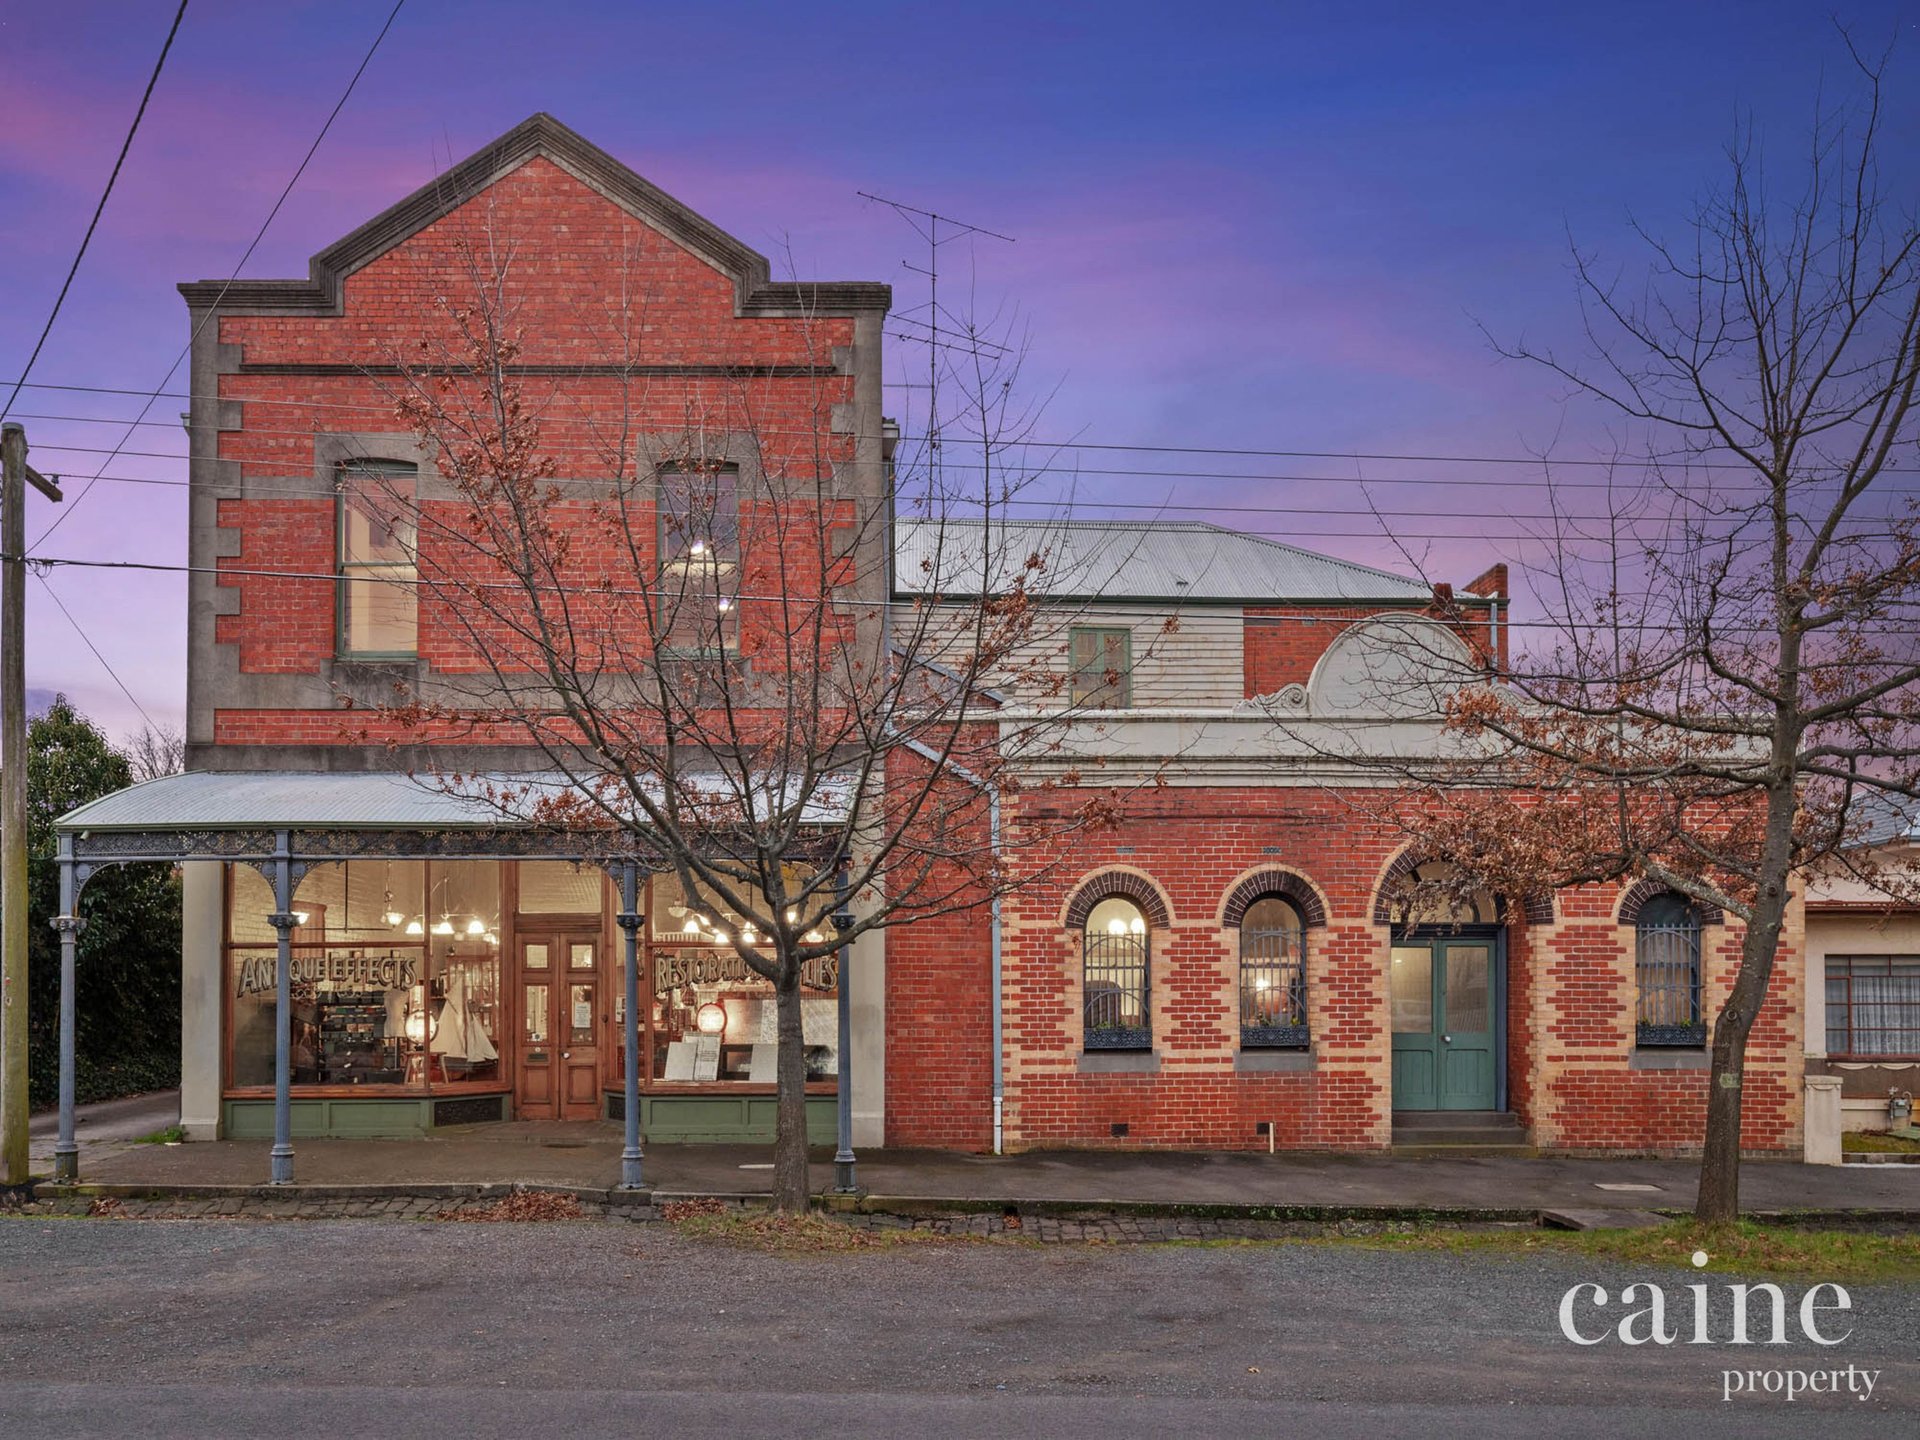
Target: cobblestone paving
1107	1229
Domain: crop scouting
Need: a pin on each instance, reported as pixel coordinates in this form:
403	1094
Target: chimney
1491	584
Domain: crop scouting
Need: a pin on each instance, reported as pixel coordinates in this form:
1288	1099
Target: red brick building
1224	968
1269	991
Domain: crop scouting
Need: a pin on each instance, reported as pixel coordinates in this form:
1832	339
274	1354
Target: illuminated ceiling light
1116	926
813	937
476	926
1137	926
414	927
725	604
299	917
693	925
443	926
792	915
698	547
719	937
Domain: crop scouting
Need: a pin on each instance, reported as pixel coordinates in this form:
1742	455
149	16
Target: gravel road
349	1328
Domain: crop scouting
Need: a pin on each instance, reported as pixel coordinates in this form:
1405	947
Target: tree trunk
790	1188
1719	1197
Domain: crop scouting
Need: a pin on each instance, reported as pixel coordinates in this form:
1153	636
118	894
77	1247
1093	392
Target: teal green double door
1446	1008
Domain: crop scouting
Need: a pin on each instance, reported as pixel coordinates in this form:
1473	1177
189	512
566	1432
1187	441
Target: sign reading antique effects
675	968
339	967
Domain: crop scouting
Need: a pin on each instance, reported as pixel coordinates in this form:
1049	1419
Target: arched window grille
1667	972
1117	943
1273	974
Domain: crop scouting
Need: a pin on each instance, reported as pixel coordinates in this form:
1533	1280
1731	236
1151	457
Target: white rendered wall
200	1000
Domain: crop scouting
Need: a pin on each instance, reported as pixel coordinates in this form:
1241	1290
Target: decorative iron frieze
450	843
198	844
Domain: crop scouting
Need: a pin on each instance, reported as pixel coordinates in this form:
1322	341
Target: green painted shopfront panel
720	1119
389	1119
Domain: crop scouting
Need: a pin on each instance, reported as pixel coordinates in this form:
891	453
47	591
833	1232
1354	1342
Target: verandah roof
333	815
336	800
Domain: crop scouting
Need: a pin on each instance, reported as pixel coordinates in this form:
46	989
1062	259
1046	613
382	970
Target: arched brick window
1666	967
1273	974
1116	945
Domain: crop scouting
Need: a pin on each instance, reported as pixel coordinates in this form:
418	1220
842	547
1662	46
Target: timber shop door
560	1022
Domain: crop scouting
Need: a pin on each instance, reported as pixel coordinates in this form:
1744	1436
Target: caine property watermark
1733	1314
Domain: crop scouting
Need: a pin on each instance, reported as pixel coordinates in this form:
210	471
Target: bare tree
701	642
1728	661
157	750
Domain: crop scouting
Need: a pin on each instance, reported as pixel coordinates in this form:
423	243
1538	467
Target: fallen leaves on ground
527	1205
782	1234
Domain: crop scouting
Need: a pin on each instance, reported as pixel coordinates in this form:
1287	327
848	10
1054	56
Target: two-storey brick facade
1223	966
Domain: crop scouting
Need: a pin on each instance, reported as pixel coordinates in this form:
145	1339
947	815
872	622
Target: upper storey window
376	542
1102	666
699	558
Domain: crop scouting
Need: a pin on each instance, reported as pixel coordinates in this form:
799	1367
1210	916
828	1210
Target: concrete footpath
585	1158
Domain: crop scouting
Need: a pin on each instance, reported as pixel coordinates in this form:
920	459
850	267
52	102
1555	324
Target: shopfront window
395	975
558	887
711	1018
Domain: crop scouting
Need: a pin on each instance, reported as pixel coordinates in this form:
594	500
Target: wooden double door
562	1023
1446	1004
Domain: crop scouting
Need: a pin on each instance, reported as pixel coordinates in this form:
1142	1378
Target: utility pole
13	797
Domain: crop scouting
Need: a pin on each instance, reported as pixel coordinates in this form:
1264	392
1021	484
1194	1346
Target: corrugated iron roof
331	800
1131	560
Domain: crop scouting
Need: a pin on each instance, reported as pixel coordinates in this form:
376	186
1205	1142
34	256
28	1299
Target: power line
1311	616
262	489
87	640
599	452
98	210
214	309
1536	461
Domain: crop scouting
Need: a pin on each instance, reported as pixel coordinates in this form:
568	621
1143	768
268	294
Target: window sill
1255	1062
1669	1059
1908	1059
1119	1062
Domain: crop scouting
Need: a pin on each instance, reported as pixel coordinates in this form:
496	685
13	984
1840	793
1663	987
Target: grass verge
1741	1248
1877	1142
172	1135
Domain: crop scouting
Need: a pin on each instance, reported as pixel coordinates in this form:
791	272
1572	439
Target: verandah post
66	1153
845	1182
283	921
630	920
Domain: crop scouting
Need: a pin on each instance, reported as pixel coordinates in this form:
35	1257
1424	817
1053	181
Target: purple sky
1263	226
